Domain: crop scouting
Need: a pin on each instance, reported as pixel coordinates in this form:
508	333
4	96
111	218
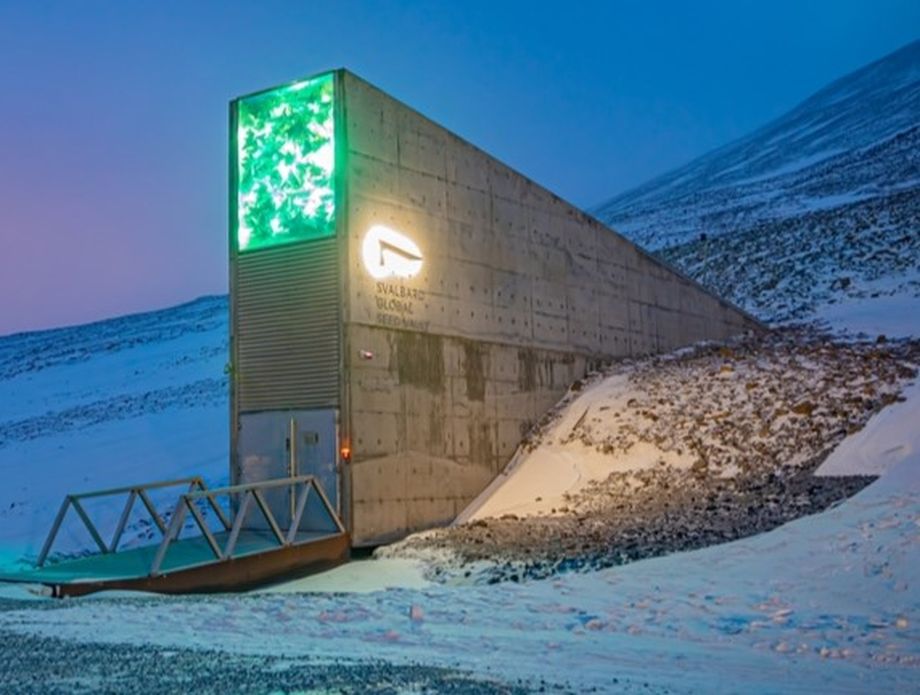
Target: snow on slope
890	438
778	403
828	603
819	264
818	207
820	149
124	401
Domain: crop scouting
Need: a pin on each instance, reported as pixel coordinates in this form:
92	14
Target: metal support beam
49	541
237	525
298	512
205	531
175	525
157	519
218	511
125	514
269	517
322	495
89	524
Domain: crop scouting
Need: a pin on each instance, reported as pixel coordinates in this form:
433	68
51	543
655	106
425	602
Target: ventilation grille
288	327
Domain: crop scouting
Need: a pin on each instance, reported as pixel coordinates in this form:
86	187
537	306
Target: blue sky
113	114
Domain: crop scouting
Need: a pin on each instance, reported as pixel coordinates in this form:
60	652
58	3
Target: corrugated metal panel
288	327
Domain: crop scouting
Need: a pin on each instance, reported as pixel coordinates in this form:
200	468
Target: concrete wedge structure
405	307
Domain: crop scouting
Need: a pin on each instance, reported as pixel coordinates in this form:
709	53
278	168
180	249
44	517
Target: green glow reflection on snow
285	161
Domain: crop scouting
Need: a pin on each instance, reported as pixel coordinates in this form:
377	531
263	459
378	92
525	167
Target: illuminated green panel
285	160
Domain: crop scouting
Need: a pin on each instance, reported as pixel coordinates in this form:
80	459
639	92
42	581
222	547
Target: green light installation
285	160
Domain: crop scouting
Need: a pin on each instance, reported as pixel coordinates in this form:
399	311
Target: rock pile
748	423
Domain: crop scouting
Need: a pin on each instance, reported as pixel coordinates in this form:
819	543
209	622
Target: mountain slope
812	153
820	206
119	402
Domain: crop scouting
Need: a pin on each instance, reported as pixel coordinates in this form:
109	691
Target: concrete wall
518	295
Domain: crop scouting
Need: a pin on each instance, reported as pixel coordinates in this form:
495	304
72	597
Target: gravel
665	515
46	665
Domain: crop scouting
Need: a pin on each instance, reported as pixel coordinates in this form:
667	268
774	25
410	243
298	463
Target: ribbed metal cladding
288	327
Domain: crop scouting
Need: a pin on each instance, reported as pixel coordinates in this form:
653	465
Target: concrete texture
518	296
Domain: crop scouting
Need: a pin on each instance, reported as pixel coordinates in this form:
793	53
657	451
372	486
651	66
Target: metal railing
191	502
247	494
135	492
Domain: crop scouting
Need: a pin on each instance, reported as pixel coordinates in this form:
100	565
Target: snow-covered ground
542	478
828	603
120	402
896	315
360	576
890	439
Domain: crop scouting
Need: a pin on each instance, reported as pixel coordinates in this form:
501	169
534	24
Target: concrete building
404	307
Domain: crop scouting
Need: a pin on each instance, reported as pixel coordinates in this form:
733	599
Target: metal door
283	444
315	450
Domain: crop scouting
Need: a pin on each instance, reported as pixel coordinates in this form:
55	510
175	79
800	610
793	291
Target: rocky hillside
820	206
674	452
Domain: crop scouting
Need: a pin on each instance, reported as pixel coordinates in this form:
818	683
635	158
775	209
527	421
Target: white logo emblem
387	253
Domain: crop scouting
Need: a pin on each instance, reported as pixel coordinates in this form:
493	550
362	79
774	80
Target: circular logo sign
389	254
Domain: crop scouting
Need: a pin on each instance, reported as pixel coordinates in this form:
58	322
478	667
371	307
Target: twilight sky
113	135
